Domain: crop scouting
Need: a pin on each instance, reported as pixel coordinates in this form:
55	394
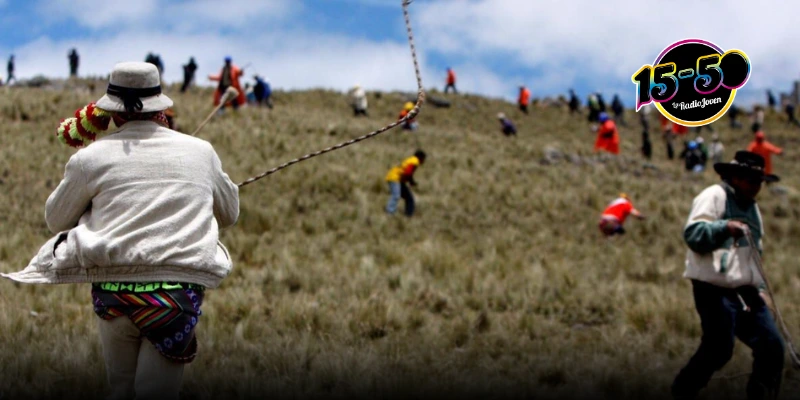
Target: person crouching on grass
728	289
138	214
613	217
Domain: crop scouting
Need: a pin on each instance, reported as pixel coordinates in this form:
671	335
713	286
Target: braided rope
413	113
784	328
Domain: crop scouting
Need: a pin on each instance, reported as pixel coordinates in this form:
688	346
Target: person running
399	177
506	125
451	81
728	290
765	149
607	135
612	220
138	215
229	76
524	99
189	70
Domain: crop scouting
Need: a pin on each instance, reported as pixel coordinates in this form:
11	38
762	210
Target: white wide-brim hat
136	84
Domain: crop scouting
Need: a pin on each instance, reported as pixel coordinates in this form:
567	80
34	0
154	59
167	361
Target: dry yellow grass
500	286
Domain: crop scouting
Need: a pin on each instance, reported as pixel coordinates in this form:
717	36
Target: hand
736	228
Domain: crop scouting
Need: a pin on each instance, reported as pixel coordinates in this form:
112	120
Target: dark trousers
723	318
187	80
449	86
523	108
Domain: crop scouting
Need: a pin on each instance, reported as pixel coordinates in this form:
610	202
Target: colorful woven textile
167	318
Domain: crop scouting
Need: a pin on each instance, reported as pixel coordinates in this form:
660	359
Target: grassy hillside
500	285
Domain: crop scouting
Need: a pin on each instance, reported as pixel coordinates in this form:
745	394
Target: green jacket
712	256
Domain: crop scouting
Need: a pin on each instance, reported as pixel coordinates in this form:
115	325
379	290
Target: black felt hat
746	165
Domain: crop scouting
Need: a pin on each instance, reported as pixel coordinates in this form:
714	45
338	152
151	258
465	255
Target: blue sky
494	45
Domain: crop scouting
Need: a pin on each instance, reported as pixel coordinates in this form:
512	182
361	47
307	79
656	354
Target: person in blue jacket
263	92
506	125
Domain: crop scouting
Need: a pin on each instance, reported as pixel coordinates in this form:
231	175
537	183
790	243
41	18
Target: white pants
134	367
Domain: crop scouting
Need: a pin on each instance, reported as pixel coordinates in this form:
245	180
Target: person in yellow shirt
397	178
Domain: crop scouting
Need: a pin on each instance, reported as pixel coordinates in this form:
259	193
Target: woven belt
143	287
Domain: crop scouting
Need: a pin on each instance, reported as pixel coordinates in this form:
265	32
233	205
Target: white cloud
609	40
163	15
95	15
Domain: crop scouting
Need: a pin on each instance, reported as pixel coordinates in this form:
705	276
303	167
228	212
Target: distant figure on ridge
771	100
358	100
74	60
506	125
594	107
188	74
613	217
451	81
398	177
524	99
618	109
229	76
574	102
10	70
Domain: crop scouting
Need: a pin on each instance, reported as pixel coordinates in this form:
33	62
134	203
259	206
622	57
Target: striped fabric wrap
167	318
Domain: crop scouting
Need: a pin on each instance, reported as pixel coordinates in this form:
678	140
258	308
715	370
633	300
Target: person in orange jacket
607	135
524	99
765	149
451	81
613	217
229	76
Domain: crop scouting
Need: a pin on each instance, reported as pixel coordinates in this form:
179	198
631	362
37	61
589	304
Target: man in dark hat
728	288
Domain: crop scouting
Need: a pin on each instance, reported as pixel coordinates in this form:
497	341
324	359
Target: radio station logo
692	82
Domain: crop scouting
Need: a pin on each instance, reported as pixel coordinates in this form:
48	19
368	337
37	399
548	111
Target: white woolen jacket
144	204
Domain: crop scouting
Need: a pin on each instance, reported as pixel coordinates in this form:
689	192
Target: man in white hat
138	215
358	100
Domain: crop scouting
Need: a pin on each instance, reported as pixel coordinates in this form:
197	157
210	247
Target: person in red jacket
607	135
615	214
451	81
229	76
765	149
524	99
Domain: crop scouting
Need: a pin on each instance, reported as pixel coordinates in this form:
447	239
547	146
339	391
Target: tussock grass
500	286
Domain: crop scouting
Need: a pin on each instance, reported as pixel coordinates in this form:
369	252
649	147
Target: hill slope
501	284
